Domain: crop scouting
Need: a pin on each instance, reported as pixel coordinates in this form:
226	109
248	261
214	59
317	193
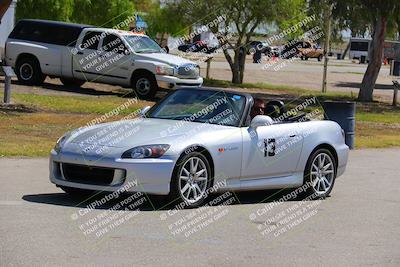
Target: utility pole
327	17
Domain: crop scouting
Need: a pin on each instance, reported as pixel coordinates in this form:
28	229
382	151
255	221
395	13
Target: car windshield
143	44
214	107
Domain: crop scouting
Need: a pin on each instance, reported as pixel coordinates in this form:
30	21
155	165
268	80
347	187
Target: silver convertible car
197	140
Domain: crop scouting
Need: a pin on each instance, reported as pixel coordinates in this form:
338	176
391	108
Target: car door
116	60
271	151
87	57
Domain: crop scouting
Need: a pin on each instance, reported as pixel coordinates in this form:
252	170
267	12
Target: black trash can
338	56
342	112
363	59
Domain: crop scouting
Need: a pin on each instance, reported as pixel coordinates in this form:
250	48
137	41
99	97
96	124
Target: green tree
105	13
376	16
45	9
241	18
159	21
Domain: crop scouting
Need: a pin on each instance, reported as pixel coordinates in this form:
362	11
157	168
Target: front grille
87	174
189	71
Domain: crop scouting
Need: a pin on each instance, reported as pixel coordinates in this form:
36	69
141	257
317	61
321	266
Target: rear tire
144	85
29	72
72	82
319	57
320	173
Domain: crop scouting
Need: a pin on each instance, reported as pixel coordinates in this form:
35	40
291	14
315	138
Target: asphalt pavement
357	226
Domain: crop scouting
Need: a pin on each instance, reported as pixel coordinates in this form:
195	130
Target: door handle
293	135
79	53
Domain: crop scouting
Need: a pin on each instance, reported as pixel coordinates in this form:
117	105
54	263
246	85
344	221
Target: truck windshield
143	44
205	106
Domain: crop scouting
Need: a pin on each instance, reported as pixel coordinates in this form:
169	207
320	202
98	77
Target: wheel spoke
201	179
200	172
323	185
191	166
186	187
196	166
315	167
198	188
186	171
185	178
188	192
194	191
326	181
327	172
327	166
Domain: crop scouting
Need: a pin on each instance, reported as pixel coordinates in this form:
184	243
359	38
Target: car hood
165	58
131	133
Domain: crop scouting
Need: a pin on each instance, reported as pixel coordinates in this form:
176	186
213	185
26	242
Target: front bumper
151	176
171	82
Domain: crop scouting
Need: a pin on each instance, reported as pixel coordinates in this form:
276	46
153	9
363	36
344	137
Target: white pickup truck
79	53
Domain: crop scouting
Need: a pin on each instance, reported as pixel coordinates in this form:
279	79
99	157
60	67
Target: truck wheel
72	82
319	57
28	71
144	85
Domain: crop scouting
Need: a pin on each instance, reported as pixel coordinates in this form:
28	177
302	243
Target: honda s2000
194	139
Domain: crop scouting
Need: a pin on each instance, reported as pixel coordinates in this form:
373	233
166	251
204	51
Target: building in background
6	26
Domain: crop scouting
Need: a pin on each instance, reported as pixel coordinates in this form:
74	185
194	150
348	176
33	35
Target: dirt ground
343	76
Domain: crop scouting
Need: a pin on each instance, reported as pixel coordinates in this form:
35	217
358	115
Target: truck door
116	63
87	56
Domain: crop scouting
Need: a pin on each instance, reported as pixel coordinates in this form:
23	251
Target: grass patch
282	89
376	135
78	104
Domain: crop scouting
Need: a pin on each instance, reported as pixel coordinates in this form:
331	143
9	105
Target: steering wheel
270	109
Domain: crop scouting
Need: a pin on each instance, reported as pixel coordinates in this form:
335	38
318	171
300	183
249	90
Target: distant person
257	56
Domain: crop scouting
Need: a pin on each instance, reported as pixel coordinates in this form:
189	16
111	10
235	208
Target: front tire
320	173
144	85
191	180
29	72
319	57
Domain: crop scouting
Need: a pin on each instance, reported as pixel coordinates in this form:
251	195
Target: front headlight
60	142
165	70
148	151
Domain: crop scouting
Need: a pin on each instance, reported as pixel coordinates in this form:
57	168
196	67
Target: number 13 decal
270	147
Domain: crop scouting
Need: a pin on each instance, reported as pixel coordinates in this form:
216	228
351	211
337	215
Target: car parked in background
79	53
197	47
255	46
310	50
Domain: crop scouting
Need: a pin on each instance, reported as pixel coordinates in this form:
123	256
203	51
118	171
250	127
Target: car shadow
90	89
154	203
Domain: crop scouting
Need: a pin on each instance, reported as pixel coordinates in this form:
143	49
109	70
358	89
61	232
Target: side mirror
261	120
144	110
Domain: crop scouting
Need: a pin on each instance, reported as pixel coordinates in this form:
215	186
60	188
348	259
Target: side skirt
291	181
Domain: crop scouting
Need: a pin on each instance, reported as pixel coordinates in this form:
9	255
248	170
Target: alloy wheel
193	179
322	173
